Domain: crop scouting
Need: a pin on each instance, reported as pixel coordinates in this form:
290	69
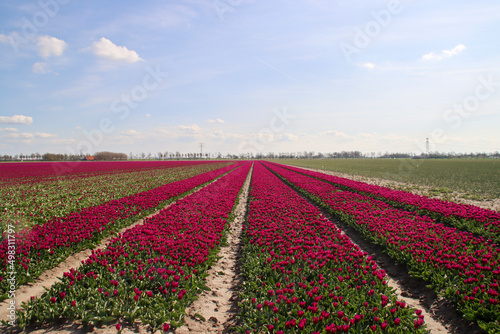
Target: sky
249	76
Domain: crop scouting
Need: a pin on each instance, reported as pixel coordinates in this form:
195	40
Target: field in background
478	179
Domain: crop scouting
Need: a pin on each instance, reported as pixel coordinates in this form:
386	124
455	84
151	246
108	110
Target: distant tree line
63	157
373	155
110	156
270	155
59	157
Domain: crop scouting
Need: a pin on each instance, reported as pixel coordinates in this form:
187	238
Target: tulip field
45	245
458	264
300	273
34	193
150	272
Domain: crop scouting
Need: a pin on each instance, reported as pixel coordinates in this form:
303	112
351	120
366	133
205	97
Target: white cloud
61	141
16	119
20	136
269	138
445	53
9	129
4	39
368	65
130	133
175	132
161	130
290	137
148	115
192	129
45	135
104	48
335	133
217	120
338	136
221	135
41	68
50	46
27	137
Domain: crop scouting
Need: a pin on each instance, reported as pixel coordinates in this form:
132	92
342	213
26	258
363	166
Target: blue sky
249	76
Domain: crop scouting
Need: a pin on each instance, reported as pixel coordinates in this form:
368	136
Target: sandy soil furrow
214	311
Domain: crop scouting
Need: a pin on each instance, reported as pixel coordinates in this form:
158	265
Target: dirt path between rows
51	276
215	311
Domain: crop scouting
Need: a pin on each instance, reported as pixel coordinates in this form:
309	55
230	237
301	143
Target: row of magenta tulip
470	218
45	246
302	275
151	272
39	201
35	172
464	268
